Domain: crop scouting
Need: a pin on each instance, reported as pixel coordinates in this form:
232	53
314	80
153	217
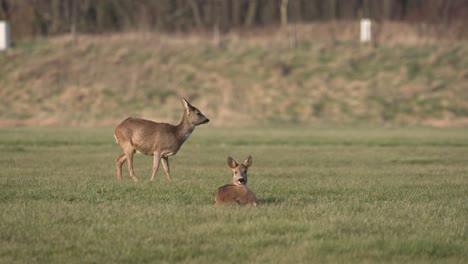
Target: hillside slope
99	80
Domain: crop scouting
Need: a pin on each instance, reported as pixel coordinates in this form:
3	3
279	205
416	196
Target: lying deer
237	191
160	140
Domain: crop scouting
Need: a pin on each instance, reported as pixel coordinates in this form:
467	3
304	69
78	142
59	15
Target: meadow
327	195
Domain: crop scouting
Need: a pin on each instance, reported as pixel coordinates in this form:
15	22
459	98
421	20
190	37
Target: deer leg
156	159
129	155
118	165
165	163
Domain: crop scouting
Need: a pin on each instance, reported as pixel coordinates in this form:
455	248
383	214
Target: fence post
365	30
4	35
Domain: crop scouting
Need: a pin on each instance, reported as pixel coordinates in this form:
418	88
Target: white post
365	30
4	35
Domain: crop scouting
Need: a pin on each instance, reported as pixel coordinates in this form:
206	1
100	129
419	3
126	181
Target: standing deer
158	139
237	191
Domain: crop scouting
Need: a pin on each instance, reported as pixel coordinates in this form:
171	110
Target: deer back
236	195
147	136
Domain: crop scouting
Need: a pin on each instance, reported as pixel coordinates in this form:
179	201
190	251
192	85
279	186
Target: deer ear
186	104
231	163
247	162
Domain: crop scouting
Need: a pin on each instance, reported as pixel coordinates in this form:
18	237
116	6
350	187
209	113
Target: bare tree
284	13
196	13
252	9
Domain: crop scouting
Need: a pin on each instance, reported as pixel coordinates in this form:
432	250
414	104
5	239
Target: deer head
194	115
239	171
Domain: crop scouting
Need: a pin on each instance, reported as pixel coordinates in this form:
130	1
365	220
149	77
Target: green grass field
335	195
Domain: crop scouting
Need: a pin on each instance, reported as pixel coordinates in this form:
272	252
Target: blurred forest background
52	17
249	62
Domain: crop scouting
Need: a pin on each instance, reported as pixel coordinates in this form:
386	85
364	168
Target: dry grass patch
248	79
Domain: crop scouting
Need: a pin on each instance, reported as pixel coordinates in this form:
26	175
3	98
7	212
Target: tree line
31	18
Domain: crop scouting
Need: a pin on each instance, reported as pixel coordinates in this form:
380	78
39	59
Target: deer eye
235	172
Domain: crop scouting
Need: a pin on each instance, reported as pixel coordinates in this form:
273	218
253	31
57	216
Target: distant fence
365	35
4	35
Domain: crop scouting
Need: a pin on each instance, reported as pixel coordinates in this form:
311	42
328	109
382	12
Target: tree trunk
235	13
387	9
284	13
196	13
295	11
74	15
252	9
332	9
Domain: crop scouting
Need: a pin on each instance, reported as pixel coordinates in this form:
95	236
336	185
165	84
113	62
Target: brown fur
160	140
235	194
237	191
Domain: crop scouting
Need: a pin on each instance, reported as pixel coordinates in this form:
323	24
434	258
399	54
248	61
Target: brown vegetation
406	78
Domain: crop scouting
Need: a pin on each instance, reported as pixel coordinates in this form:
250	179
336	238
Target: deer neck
184	128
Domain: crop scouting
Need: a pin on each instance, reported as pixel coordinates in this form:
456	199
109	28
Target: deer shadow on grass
271	200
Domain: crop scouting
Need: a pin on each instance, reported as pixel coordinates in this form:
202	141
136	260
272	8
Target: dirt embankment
278	78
